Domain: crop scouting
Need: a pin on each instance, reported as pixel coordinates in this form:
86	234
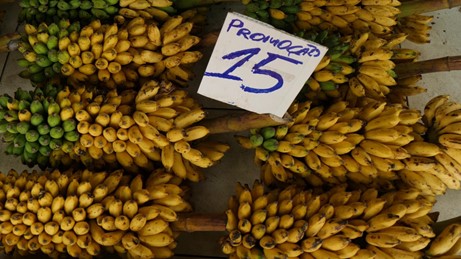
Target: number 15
257	69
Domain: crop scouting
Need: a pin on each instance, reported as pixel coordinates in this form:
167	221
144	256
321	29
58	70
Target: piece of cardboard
257	67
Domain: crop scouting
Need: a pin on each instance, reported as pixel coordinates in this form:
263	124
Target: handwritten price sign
257	67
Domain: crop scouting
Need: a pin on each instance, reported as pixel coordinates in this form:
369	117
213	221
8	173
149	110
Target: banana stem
198	222
187	4
9	42
425	6
428	66
242	122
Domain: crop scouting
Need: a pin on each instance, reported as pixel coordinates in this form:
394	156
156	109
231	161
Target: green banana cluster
279	13
49	11
31	126
266	137
42	55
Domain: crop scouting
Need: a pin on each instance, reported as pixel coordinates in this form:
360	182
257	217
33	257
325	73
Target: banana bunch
308	146
375	76
136	129
119	56
43	56
167	131
32	125
79	213
338	223
417	27
447	243
377	144
441	119
84	11
102	123
366	51
347	16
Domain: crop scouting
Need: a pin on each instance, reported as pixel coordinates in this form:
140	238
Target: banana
377	149
382	240
382	221
399	253
331	227
445	240
431	107
414	246
336	243
104	238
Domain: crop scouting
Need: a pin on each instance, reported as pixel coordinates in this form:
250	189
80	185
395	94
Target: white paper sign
257	67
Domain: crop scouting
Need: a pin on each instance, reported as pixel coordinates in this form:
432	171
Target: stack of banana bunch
297	223
347	16
377	145
136	128
118	56
36	127
83	213
447	243
44	11
43	54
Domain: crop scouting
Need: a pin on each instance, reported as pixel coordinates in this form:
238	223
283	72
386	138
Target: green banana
22	62
55	144
43	61
54	120
40	48
36	119
8	137
19	140
3	126
57	132
32	147
4	100
52	42
44	140
36	106
23	104
271	144
32	135
69	125
267	132
43	129
11	128
71	136
256	140
22	127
